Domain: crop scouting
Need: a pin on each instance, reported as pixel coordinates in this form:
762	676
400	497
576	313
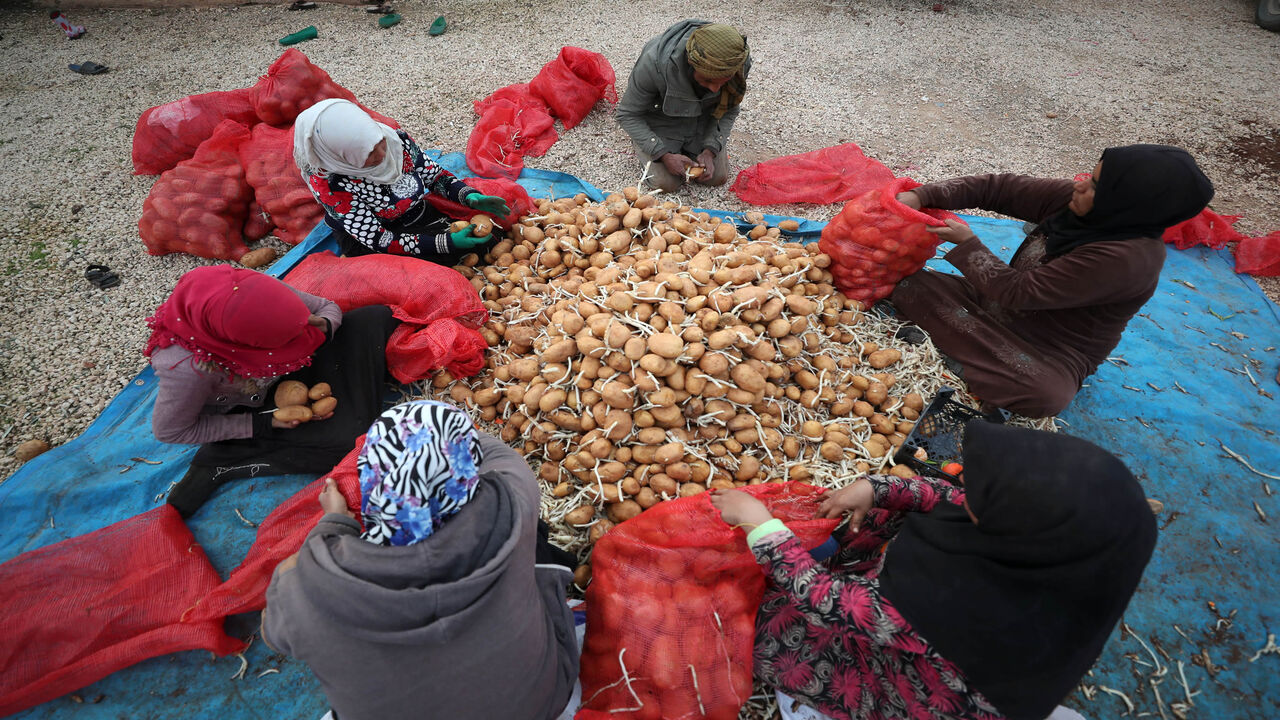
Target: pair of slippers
101	276
88	67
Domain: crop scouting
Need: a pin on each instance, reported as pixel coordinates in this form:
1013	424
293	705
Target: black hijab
1024	601
1142	191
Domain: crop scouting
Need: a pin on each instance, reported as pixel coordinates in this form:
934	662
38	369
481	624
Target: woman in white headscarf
373	182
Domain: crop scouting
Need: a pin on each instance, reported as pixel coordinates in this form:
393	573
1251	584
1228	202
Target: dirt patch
1261	144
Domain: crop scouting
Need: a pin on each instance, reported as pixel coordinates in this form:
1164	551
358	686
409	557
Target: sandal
438	26
101	276
380	9
303	5
89	67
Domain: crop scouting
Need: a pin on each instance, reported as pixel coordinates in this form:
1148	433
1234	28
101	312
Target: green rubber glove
464	240
491	204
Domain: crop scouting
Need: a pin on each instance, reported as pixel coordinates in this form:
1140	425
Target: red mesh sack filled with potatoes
293	84
200	206
277	185
573	83
168	134
672	604
875	241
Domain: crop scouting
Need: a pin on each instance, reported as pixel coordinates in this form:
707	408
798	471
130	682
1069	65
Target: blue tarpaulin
1193	377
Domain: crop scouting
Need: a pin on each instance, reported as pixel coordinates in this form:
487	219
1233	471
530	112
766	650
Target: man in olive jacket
681	102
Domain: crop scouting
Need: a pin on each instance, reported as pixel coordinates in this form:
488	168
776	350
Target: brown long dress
1028	332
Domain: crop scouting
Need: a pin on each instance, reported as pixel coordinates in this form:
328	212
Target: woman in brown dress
1028	333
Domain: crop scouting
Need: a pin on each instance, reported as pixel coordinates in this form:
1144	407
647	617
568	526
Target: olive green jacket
663	110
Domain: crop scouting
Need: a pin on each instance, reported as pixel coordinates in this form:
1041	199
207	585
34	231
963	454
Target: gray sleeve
323	307
644	91
179	417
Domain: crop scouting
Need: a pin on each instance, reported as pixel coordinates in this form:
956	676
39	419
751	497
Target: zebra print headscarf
418	467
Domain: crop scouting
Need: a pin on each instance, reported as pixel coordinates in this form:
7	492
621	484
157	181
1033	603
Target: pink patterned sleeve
827	599
916	494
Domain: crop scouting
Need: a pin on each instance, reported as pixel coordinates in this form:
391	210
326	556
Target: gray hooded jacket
460	625
663	109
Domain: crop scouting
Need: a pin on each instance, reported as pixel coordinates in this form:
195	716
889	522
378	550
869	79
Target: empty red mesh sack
200	206
875	241
277	185
828	175
1259	255
573	83
87	607
168	134
293	84
671	608
505	133
279	536
440	312
517	198
1208	228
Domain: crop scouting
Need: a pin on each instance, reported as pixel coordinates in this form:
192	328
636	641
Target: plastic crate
939	432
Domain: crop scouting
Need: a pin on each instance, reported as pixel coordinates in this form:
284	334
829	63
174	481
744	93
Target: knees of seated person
1050	402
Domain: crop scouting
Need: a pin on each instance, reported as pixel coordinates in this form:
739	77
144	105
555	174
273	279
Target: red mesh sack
875	241
258	224
505	133
84	608
671	608
439	311
277	185
829	175
279	536
1259	255
168	134
293	84
572	84
1208	228
517	198
517	94
200	206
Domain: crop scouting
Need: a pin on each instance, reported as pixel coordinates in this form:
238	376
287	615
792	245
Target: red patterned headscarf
248	323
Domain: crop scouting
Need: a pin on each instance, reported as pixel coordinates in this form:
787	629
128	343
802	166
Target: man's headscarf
1142	191
336	136
245	322
419	466
719	51
1034	589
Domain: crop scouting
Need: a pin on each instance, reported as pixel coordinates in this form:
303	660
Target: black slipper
101	276
89	67
303	5
380	9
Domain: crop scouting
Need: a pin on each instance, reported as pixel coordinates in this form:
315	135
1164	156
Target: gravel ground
931	90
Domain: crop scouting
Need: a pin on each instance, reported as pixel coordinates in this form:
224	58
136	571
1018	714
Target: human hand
739	508
855	499
491	204
707	160
316	321
675	163
909	199
464	240
955	232
332	500
285	424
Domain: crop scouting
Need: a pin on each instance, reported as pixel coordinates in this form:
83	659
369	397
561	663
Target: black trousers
354	363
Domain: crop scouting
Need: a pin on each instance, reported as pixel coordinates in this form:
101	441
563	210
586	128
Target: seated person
682	99
436	608
373	184
1026	334
219	346
990	601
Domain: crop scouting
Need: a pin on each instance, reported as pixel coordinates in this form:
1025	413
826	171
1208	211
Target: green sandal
438	26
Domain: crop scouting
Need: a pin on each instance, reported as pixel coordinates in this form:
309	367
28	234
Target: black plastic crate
939	431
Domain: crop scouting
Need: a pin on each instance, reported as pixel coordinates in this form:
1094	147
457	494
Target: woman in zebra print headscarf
443	600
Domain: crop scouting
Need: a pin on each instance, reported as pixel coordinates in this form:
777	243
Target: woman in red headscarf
221	343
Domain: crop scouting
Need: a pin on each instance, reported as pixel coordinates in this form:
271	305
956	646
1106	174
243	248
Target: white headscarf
336	136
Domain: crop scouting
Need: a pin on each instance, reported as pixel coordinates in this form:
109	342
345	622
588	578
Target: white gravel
931	94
